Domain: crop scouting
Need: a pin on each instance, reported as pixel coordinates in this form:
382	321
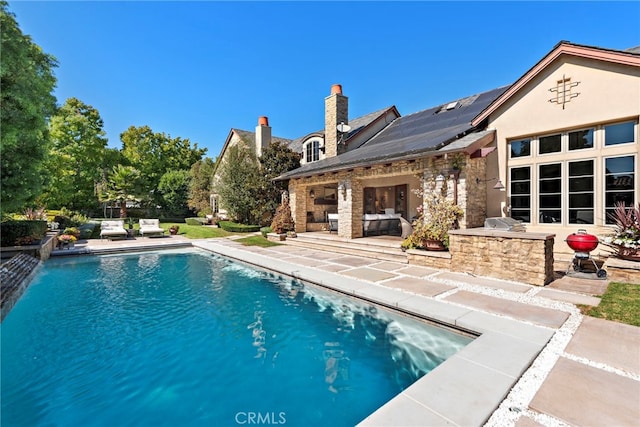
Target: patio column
297	203
350	209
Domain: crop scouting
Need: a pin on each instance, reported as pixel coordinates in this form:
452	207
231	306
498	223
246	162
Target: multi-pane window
550	192
520	148
619	176
520	189
581	139
581	197
312	151
619	133
550	144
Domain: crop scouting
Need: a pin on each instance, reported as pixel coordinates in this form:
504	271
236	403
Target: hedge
194	221
10	231
238	228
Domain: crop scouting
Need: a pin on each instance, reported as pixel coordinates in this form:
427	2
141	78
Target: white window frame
314	147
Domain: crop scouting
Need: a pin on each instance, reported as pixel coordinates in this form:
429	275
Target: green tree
26	90
77	158
123	186
240	182
276	159
174	187
201	174
154	153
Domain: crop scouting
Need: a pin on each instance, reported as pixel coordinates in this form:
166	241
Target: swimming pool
191	338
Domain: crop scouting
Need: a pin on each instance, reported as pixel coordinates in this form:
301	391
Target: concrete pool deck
537	360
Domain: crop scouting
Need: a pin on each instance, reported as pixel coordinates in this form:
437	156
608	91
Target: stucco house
556	150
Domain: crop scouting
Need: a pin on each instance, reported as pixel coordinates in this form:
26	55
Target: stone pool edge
464	390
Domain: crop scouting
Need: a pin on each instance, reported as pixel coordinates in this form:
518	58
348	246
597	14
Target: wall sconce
497	186
312	194
342	190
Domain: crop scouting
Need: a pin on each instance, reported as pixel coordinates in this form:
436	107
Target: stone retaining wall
433	259
522	257
620	270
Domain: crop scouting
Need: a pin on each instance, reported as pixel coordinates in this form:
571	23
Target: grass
197	231
620	303
257	241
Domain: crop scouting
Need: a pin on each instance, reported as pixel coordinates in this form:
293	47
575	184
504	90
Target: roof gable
248	138
629	57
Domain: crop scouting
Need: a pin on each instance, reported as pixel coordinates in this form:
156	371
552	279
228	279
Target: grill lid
504	224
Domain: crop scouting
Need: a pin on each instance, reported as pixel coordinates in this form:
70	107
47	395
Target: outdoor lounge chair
333	222
151	227
112	229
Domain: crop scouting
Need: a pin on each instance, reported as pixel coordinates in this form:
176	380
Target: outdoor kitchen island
510	255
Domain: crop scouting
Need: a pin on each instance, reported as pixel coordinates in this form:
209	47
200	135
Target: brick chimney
263	135
336	111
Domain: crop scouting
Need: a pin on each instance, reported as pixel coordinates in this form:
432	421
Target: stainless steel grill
503	224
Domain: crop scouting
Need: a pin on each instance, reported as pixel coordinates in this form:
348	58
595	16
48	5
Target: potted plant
67	240
73	231
173	230
431	229
625	240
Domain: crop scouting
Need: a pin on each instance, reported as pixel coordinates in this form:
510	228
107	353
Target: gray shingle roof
250	137
410	136
356	124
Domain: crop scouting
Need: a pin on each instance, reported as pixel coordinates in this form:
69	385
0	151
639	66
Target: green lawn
196	231
620	303
257	241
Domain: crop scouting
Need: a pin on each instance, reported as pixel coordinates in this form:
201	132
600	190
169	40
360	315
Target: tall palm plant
124	186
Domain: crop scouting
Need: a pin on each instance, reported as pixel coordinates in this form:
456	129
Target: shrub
265	230
238	228
282	220
194	221
12	231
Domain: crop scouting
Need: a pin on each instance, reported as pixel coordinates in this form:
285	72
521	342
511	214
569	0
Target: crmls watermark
259	418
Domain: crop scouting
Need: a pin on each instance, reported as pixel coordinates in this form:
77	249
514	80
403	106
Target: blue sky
197	69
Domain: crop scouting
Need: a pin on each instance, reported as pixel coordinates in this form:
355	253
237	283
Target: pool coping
477	378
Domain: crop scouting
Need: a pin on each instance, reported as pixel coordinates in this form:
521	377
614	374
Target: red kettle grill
582	243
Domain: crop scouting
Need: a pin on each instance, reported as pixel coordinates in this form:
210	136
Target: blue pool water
190	338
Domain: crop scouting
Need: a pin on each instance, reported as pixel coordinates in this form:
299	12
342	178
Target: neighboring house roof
412	136
249	138
626	57
357	125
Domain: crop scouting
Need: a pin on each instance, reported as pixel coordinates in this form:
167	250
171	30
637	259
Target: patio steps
378	247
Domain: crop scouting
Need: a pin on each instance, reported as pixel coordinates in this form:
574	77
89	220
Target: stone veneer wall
621	270
433	259
522	257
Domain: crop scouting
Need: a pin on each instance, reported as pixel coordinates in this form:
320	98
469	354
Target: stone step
368	248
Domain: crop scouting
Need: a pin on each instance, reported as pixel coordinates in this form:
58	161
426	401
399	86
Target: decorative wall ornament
563	91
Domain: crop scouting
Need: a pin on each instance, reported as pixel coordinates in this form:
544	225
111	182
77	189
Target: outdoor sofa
381	224
377	224
112	229
151	227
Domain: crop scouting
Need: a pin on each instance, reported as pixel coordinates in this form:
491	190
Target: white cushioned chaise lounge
113	229
151	227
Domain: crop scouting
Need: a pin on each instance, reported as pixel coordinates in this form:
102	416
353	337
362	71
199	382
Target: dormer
313	149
